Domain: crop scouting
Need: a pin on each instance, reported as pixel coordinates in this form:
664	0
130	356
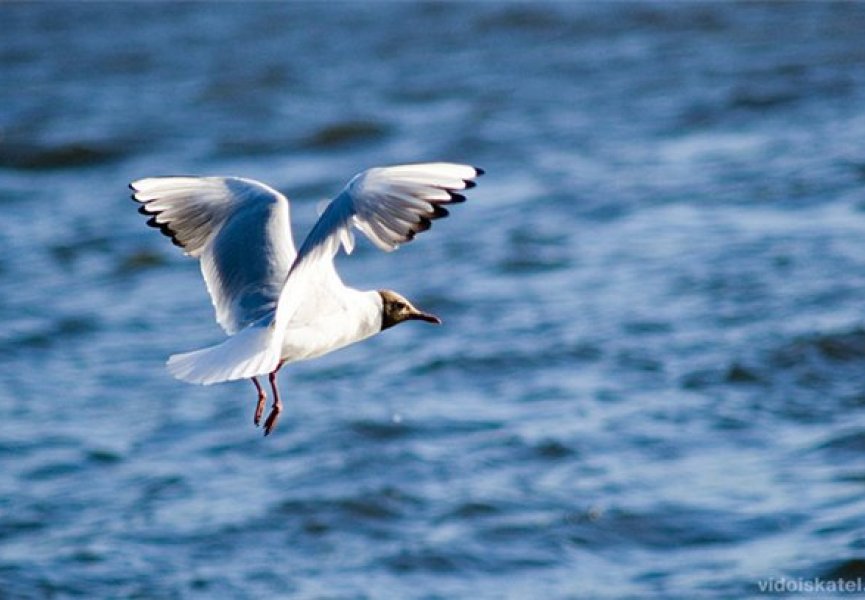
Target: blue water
651	377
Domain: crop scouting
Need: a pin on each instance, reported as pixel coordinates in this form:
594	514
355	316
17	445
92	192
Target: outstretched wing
390	205
238	228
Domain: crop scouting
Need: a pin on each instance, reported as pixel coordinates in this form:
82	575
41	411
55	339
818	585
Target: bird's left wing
240	231
390	205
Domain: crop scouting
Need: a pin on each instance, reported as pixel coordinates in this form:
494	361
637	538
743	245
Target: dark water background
651	378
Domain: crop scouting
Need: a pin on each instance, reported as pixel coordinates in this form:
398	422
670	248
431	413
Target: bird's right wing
390	205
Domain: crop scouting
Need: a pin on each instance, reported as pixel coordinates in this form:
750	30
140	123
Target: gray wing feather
238	228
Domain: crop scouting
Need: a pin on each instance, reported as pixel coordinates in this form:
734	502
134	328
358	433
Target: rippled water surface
651	377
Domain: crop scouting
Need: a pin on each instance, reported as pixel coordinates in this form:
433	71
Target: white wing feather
390	205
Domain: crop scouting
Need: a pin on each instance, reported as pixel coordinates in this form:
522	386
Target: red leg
276	407
259	408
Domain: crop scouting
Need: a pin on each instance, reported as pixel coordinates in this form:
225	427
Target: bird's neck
366	307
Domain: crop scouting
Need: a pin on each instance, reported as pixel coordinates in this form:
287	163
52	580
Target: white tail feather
250	352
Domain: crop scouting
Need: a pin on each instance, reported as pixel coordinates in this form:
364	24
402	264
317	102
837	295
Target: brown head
396	309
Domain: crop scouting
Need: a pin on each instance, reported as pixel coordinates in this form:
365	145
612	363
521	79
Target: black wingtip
479	171
439	212
164	228
470	184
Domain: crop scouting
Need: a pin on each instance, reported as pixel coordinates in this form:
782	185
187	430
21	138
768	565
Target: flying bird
280	305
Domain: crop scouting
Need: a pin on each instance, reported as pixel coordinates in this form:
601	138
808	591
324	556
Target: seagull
280	305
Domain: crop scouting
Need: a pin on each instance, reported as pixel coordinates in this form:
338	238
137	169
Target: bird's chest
323	335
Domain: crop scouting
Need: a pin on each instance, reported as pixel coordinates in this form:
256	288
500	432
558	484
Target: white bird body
358	319
278	304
